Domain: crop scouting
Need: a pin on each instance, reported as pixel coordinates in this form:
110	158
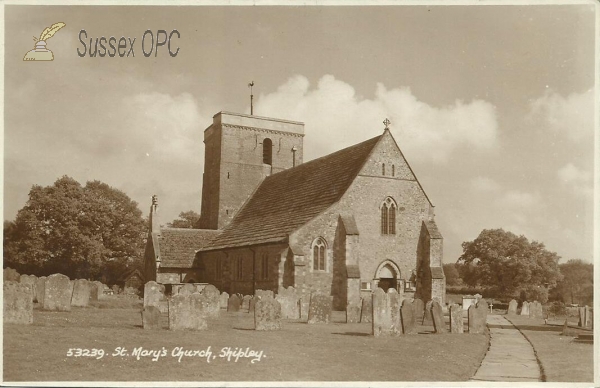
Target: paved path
510	356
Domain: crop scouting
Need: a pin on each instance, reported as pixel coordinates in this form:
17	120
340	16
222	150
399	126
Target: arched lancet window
383	169
319	250
267	151
388	216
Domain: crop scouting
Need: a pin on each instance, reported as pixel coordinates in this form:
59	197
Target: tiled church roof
178	246
287	200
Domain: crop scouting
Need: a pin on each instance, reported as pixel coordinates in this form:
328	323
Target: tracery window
388	216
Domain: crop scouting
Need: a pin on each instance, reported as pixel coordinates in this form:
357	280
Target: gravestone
535	310
386	313
31	280
456	318
96	291
581	322
11	275
419	309
427	319
151	317
478	317
154	293
567	331
246	302
213	299
366	312
187	312
437	315
512	307
18	303
588	316
224	299
40	288
478	297
263	293
525	308
187	289
319	309
57	293
353	312
234	303
116	289
468	301
252	304
267	314
408	318
304	304
288	299
81	293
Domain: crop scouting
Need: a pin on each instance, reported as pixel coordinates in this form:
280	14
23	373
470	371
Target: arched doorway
387	275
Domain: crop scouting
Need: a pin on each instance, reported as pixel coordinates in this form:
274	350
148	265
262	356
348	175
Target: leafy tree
76	230
507	263
577	285
186	220
452	276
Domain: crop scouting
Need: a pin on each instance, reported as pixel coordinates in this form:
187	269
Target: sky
493	106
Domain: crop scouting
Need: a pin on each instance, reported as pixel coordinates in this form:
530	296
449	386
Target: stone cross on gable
387	123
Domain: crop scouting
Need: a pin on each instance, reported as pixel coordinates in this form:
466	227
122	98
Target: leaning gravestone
319	310
81	293
478	317
386	313
512	307
153	293
57	293
213	307
151	317
288	299
353	312
408	318
456	318
525	308
234	303
246	302
437	315
40	288
18	303
31	281
366	312
187	289
11	275
267	314
223	299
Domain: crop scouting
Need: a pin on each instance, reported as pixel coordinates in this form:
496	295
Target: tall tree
186	220
577	285
76	230
507	262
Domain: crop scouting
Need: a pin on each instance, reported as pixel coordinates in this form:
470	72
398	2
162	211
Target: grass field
562	359
299	352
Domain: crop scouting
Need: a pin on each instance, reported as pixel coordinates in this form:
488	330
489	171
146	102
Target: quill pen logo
40	52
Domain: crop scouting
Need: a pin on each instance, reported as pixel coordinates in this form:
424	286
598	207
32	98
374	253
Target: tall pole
250	85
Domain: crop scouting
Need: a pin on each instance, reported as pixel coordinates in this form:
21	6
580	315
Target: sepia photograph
300	194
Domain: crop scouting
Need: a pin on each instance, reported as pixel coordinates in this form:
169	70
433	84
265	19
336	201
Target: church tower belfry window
268	151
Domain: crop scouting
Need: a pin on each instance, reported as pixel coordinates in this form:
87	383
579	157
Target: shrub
557	308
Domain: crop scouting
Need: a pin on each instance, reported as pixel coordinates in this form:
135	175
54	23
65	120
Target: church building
342	224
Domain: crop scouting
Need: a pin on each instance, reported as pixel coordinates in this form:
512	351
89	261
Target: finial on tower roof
387	123
250	85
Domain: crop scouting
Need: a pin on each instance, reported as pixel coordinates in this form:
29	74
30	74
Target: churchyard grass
562	359
299	352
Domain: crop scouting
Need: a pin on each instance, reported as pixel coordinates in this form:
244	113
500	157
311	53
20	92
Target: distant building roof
178	246
134	271
287	200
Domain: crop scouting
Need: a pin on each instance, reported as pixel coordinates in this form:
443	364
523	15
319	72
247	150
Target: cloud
482	183
336	117
519	201
572	115
579	181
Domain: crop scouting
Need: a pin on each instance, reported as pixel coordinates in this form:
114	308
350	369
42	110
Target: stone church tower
240	151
